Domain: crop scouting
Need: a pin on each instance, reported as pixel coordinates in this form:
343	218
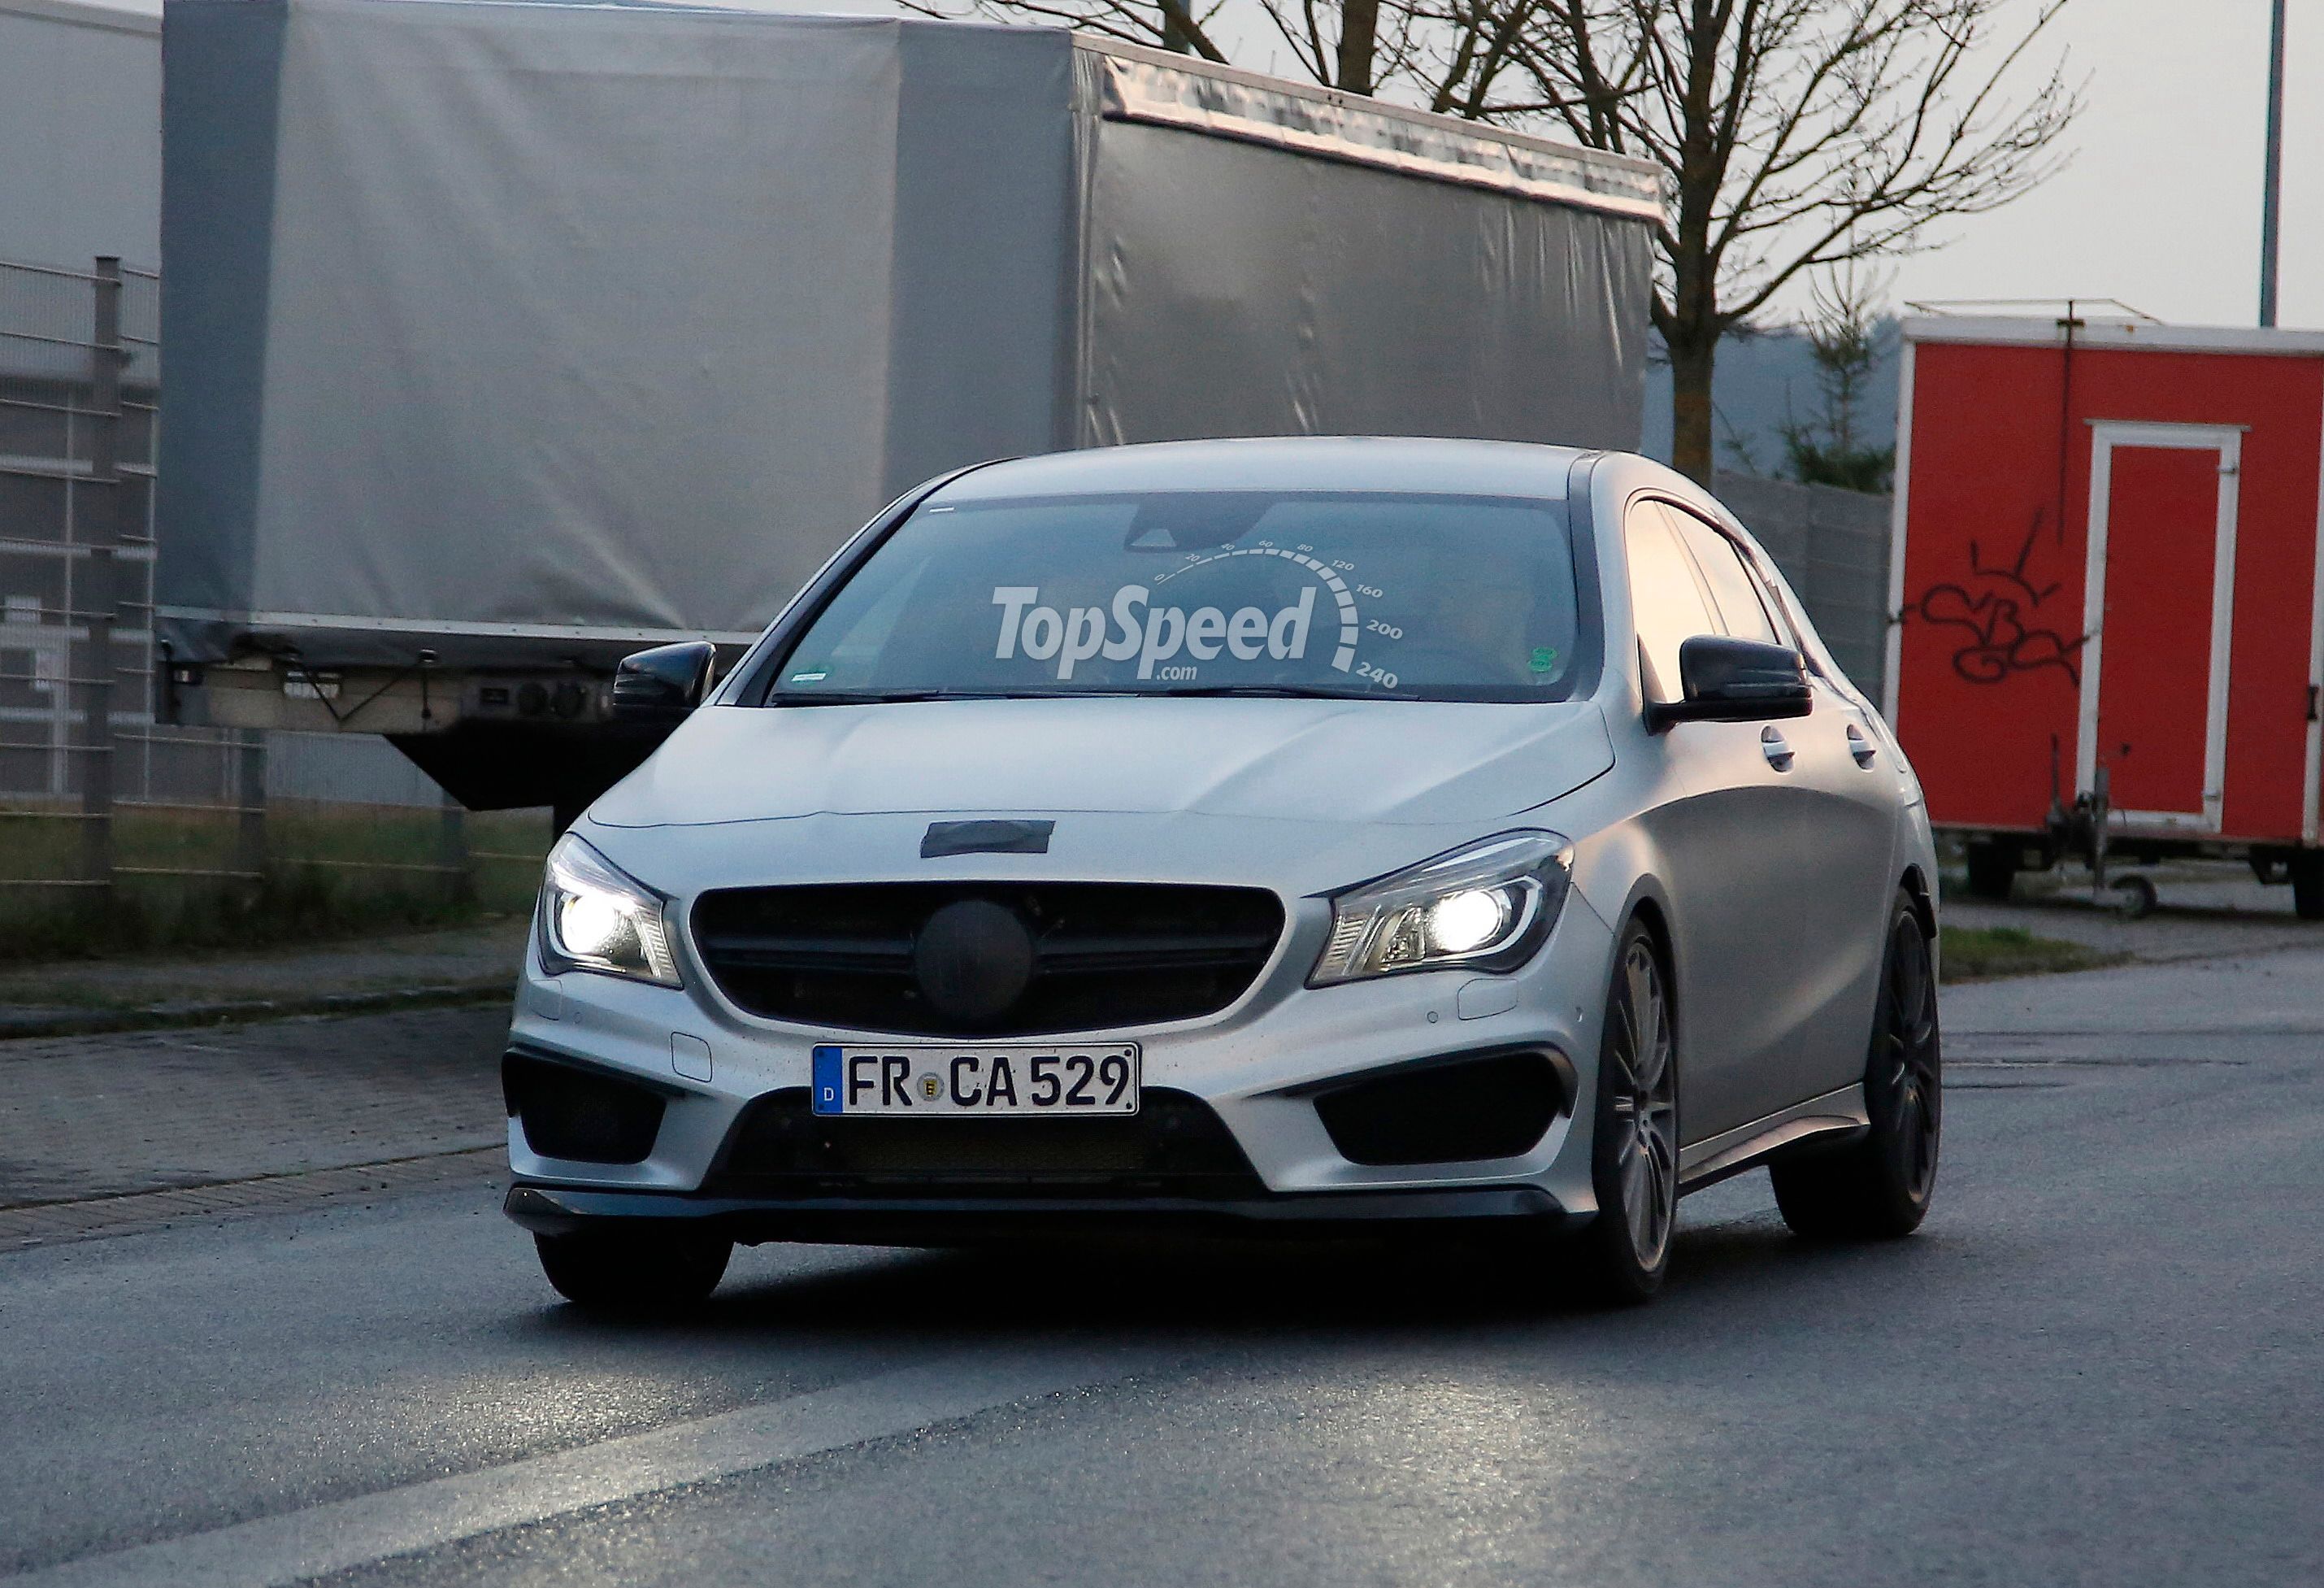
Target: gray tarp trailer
507	338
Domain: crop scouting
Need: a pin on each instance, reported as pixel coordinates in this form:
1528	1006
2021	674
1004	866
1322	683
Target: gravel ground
2201	912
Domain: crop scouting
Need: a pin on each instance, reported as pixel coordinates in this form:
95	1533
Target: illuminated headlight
593	917
1487	906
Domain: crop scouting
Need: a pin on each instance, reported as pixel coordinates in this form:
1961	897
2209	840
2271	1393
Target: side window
1732	586
1666	596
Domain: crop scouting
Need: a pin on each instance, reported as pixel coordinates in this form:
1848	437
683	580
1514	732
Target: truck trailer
508	338
2108	626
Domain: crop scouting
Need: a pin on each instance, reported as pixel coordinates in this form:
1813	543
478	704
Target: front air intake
1175	1146
585	1115
1454	1111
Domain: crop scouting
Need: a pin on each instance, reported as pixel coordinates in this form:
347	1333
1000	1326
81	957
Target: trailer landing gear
1992	867
2306	869
2134	896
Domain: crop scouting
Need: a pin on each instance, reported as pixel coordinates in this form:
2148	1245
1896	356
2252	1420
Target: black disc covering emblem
973	960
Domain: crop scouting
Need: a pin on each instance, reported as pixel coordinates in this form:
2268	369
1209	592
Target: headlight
1487	906
593	918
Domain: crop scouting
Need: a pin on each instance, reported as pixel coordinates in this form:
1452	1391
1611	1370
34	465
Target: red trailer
2106	628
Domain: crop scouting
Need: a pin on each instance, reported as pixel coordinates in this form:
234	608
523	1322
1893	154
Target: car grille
1174	1146
1102	955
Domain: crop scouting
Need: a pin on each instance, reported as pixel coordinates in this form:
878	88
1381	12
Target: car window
1732	588
1344	593
1666	598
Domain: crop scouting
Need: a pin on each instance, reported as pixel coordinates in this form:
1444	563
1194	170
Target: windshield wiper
1193	691
1261	691
896	697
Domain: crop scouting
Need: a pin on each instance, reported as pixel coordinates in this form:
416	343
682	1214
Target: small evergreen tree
1844	334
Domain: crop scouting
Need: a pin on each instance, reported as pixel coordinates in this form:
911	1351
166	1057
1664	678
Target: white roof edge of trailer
2036	331
113	16
1143	84
464	628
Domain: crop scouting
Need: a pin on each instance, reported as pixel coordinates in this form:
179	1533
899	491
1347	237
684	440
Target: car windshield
1429	597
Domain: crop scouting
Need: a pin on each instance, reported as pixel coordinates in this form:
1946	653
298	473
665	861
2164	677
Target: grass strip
1988	954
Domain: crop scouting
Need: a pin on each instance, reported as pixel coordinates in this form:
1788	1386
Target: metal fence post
250	821
452	852
101	582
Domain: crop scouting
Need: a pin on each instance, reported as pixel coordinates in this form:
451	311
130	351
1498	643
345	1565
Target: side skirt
1831	1120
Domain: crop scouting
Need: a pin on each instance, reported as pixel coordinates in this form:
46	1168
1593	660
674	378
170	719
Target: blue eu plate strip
827	1081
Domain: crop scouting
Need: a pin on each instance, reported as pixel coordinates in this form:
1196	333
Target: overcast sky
2161	206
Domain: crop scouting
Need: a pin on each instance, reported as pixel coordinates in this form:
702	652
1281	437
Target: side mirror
1735	681
663	685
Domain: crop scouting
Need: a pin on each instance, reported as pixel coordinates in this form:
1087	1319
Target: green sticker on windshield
1544	659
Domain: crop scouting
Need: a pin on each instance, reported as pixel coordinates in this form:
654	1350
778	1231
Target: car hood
1421	763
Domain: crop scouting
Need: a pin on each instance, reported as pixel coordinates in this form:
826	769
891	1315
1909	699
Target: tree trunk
1692	360
1359	44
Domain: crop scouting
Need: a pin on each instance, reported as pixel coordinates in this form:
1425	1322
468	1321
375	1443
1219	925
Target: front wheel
1634	1149
1880	1185
634	1275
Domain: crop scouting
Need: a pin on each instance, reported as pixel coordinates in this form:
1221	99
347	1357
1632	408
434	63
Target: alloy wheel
1909	1076
1645	1107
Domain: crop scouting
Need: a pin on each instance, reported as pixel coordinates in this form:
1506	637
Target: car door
1838	822
1737	904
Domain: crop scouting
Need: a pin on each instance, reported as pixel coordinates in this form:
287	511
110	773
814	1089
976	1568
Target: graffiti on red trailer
1995	609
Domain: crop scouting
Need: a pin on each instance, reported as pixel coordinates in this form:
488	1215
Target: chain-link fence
96	797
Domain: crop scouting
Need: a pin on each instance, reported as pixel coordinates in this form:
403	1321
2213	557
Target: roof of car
1297	463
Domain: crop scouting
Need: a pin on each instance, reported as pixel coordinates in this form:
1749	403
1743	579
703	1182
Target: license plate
905	1080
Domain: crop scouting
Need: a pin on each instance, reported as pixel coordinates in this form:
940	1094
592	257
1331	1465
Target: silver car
1318	835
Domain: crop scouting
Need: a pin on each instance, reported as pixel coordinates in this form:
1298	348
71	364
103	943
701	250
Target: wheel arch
1925	903
1649	909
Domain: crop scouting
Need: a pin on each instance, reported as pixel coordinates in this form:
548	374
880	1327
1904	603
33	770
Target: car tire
1992	869
634	1275
1879	1185
1634	1143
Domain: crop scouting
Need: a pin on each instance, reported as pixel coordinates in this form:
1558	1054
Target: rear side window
1732	588
1666	599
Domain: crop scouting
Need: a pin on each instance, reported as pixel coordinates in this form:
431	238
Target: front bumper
560	1210
1264	1067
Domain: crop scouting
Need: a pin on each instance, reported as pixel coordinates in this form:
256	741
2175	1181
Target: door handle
1861	747
1776	749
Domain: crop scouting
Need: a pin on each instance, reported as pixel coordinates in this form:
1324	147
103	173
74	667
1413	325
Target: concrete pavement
102	1133
2099	1363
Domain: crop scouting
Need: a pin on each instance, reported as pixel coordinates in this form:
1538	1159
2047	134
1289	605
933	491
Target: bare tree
1181	25
1794	133
1456	57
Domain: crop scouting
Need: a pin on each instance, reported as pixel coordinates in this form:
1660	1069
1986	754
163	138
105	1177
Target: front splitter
959	1220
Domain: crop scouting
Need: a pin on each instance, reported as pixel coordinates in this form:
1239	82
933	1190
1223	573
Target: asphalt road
2099	1363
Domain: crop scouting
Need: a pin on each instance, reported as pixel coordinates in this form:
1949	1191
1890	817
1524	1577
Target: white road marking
346	1533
